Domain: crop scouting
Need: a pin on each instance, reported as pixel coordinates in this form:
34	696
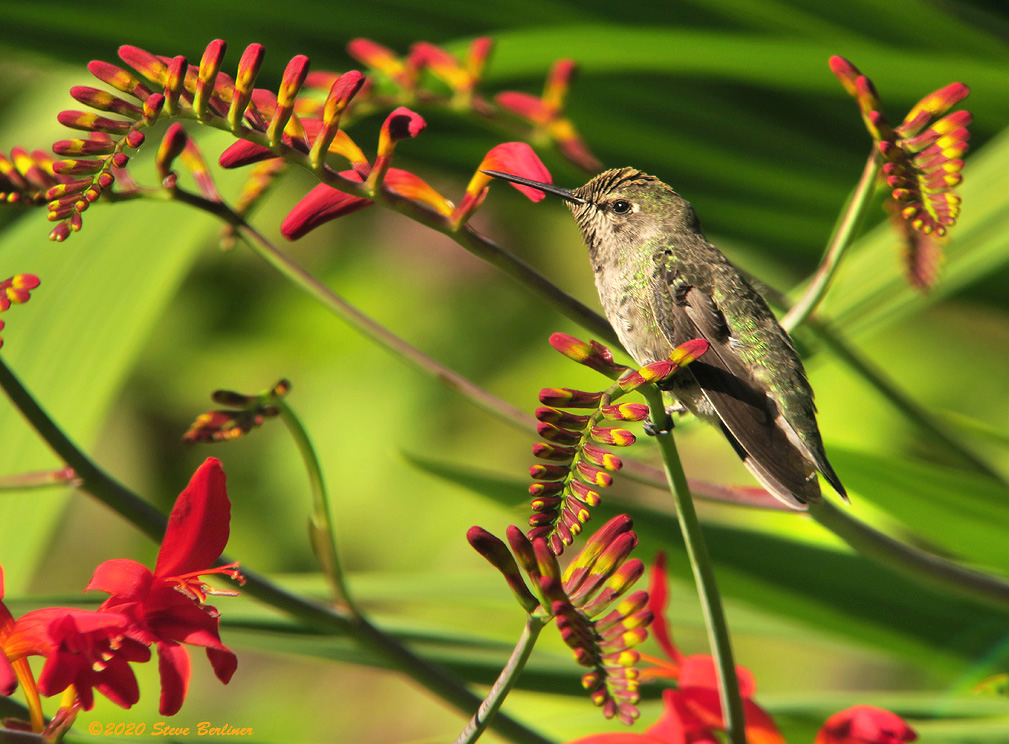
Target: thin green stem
152	523
12	736
337	305
926	568
704	574
324	534
844	232
505	681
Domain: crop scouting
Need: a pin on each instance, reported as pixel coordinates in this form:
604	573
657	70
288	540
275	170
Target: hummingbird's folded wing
748	416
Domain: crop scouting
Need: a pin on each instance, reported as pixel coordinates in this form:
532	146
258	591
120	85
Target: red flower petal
658	603
8	681
122	577
244	153
375	55
224	663
678	723
198	527
417	189
516	158
699	688
322	204
525	105
399	125
174	668
865	724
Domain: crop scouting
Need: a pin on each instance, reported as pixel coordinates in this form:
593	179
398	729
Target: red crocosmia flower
695	705
87	649
166	607
8	680
864	724
325	203
516	158
322	204
676	725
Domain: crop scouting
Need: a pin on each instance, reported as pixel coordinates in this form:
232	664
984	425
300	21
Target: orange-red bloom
864	724
87	649
8	680
693	711
166	607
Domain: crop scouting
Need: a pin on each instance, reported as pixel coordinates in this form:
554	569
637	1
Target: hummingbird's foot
667	426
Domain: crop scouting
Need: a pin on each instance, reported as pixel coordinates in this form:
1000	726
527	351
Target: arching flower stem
324	540
844	234
704	575
506	680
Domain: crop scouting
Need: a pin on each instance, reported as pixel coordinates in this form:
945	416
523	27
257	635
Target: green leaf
75	341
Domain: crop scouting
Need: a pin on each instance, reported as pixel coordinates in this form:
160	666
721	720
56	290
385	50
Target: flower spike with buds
243	414
580	466
585	602
921	160
16	290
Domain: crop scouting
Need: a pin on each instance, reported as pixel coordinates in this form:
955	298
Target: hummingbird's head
622	209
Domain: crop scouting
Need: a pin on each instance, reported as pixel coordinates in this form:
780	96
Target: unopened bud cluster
579	463
16	290
587	602
243	414
576	447
922	157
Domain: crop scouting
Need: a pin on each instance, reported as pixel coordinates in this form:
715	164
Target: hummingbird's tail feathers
823	465
749	424
784	473
814	455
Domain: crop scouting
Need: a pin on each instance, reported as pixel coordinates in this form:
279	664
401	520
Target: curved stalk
854	212
704	574
324	537
505	681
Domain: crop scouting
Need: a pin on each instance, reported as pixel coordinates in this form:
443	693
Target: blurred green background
140	316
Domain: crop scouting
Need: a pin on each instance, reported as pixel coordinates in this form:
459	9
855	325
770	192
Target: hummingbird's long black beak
548	188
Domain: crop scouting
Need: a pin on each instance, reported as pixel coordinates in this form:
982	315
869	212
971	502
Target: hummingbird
661	283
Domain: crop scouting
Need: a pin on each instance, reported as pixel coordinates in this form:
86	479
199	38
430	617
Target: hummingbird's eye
621	206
